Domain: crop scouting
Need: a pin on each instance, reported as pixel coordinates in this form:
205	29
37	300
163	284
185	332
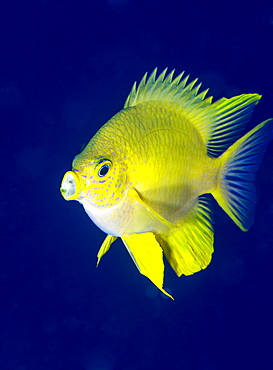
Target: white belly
126	217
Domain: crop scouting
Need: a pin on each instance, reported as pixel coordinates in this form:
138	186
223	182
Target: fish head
100	181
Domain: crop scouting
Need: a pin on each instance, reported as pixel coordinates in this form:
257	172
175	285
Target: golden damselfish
147	174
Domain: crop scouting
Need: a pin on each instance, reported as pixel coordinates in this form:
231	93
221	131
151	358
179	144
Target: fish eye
103	170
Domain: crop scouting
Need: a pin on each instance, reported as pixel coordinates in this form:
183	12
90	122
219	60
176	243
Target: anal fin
189	248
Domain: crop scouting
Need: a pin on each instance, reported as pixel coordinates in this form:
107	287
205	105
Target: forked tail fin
236	192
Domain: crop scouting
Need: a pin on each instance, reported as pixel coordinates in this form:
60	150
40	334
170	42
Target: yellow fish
146	174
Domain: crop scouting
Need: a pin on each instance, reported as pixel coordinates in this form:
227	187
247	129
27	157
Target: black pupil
103	170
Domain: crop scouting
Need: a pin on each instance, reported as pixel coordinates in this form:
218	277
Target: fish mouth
71	186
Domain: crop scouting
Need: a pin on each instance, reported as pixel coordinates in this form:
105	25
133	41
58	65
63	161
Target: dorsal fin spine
218	123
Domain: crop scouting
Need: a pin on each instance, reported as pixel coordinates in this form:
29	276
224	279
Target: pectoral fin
148	211
105	246
148	257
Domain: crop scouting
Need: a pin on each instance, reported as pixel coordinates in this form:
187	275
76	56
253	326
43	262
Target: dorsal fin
219	123
166	89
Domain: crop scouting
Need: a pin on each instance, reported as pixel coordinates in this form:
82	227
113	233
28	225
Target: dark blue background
66	66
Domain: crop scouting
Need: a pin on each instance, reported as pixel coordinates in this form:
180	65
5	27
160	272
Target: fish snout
71	186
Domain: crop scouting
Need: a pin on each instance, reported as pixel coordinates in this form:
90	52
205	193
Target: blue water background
65	68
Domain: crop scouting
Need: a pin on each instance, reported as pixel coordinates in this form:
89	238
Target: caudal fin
236	192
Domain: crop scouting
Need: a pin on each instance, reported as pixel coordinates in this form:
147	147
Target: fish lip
71	186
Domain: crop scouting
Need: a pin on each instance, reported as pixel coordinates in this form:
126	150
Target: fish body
163	192
146	174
